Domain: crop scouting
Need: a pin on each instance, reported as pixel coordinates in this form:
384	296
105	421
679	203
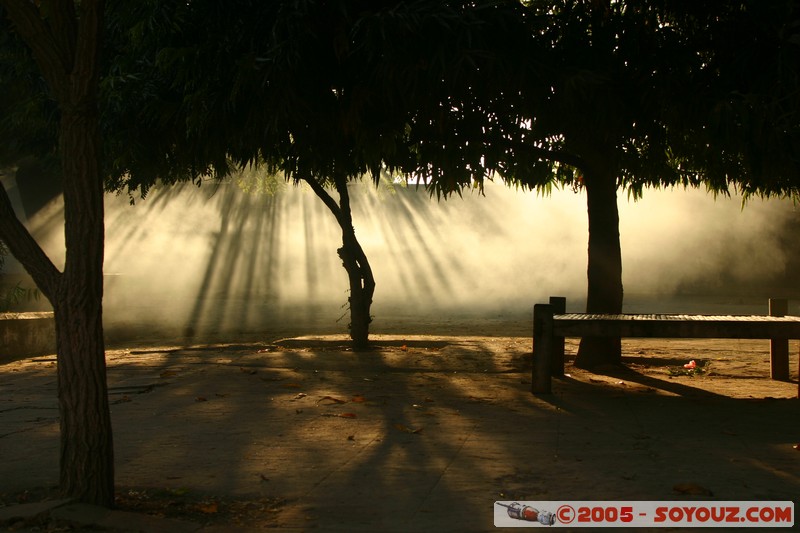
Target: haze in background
216	260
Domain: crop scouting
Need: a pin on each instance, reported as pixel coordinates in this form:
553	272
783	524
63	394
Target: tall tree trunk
354	261
87	448
87	452
65	39
604	270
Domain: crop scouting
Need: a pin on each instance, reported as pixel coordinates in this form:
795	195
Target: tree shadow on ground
374	345
387	439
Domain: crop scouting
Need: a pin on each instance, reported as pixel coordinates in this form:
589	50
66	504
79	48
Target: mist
217	260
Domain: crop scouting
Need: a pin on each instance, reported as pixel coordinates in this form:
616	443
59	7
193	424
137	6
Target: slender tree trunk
354	261
605	262
362	288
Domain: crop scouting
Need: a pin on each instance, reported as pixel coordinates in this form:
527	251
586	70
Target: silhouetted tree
64	40
309	89
663	93
612	95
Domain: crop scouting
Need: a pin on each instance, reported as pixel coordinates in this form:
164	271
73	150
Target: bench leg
559	304
542	348
779	348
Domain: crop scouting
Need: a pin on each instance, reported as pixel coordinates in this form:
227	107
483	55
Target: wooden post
542	348
779	348
559	305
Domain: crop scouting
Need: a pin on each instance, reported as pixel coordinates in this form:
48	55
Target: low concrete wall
26	334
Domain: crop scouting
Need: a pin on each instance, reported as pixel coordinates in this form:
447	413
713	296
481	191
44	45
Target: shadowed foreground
421	434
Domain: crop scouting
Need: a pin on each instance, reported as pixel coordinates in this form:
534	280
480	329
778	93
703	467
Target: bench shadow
626	373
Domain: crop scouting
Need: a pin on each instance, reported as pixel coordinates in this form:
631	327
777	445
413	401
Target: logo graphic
650	514
529	514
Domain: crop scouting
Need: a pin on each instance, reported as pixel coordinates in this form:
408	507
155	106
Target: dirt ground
299	432
729	368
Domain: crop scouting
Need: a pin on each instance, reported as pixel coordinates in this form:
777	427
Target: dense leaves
323	90
674	91
744	126
28	116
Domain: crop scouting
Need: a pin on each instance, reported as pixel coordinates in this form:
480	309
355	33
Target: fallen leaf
200	399
693	489
348	415
330	399
406	429
208	508
404	348
358	399
477	399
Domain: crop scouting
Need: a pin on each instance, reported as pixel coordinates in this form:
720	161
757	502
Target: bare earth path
423	433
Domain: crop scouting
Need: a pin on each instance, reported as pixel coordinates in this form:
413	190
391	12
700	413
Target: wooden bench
551	324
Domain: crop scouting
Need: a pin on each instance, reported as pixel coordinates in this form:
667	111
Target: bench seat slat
685	326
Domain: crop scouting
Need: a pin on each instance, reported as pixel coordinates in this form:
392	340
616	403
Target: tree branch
560	156
326	198
25	248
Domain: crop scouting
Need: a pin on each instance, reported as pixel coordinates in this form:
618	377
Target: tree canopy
320	89
593	95
619	94
323	92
